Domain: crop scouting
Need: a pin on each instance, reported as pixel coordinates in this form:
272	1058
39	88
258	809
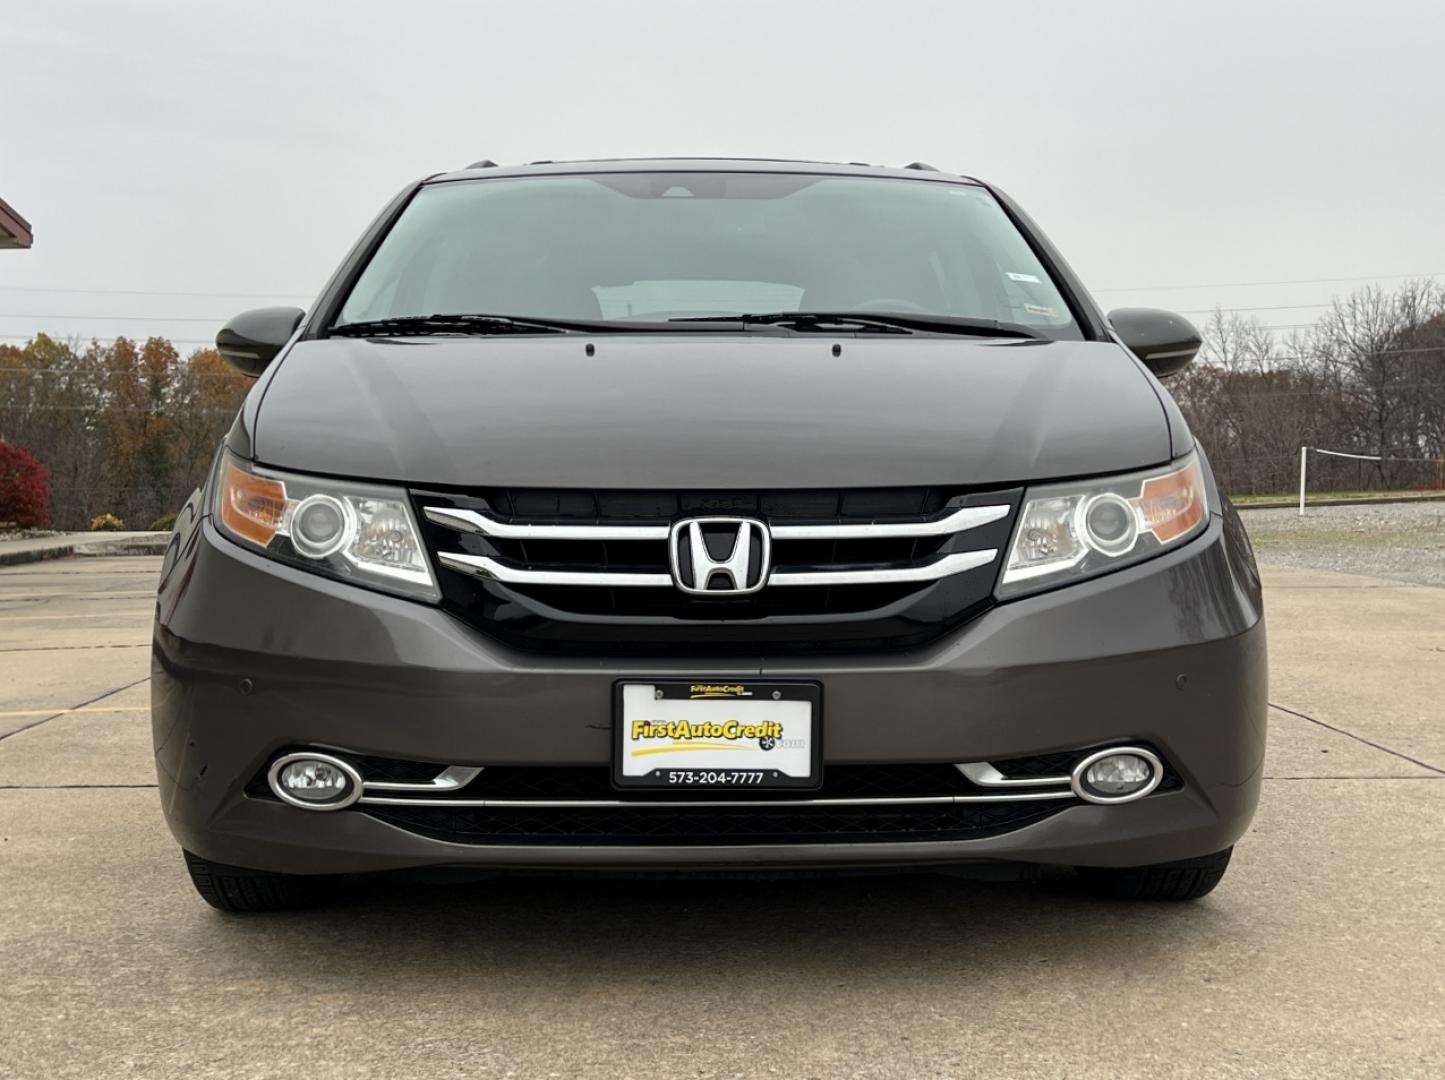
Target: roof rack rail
923	166
485	163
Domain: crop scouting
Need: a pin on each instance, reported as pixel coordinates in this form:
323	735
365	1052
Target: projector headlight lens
1067	532
356	532
319	526
1110	523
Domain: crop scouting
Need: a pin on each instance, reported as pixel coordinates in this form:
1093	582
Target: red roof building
14	229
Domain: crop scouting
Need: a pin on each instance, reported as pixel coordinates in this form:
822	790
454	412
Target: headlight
356	532
1071	531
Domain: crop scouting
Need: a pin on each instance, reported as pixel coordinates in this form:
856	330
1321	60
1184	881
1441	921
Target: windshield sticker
1030	278
1046	312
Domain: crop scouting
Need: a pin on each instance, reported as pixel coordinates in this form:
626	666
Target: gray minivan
707	515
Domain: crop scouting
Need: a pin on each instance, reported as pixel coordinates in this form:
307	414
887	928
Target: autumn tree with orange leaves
124	428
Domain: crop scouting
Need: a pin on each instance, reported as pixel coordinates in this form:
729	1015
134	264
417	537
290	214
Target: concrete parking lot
1322	954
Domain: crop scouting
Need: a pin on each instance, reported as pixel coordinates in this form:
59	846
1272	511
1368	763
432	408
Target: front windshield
647	247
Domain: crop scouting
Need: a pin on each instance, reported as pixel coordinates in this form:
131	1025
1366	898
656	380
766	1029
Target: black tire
1187	879
235	889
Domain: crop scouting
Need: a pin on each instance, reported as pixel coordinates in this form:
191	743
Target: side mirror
1164	341
252	339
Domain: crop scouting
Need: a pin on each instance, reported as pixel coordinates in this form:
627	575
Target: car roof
916	171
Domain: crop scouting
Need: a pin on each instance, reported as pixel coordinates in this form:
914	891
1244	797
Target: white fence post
1303	458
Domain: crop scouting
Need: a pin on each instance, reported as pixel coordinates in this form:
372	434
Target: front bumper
251	658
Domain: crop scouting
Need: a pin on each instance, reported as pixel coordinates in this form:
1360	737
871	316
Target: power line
181	371
118	318
1325	393
154	292
1298	357
173	341
293	294
104	372
1262	284
220	320
1273	358
296	294
103	408
1272	307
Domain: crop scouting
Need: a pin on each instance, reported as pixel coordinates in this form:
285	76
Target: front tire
235	889
1187	879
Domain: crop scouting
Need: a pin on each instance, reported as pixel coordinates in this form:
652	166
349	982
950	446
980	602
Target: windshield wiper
462	324
888	322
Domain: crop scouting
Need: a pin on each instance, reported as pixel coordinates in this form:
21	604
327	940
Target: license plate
675	733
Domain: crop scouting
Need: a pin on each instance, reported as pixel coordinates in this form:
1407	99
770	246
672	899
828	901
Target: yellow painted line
88	708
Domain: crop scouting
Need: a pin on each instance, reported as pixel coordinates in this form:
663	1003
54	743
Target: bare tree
1368	345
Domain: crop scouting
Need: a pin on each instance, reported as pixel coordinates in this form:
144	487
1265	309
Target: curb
20	558
124	547
155	544
1293	504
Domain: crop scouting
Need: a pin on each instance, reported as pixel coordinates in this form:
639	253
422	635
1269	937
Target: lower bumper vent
738	824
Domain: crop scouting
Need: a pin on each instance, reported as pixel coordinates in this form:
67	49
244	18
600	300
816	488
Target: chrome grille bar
477	521
970	517
490	569
942	566
674	804
485	524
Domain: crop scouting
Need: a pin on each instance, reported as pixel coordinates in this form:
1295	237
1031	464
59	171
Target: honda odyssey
707	515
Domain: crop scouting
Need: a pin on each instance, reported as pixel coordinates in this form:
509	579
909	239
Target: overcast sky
197	147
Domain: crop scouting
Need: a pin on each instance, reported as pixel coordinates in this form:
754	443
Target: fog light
1117	775
314	781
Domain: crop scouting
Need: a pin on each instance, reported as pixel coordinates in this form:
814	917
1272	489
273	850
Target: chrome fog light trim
1078	780
451	778
348	795
984	774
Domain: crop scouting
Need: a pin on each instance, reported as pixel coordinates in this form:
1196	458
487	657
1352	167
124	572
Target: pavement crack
75	787
65	712
74	648
1416	777
1358	738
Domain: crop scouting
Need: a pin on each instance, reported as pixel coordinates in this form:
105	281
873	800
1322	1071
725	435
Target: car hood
692	411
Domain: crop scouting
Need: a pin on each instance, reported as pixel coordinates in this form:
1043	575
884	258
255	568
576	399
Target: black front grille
715	825
644	507
578	618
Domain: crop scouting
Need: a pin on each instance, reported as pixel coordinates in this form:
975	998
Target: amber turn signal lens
252	507
1173	504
